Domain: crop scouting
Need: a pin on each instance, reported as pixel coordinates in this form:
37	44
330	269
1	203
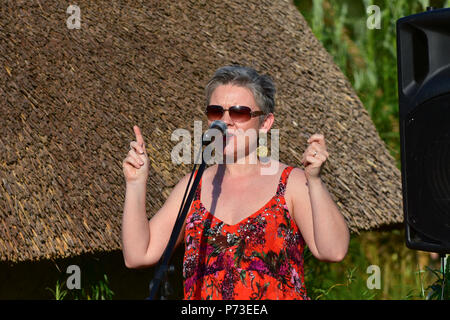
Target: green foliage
59	293
440	289
348	278
94	282
337	281
97	290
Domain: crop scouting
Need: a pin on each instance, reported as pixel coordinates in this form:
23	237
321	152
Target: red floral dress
260	257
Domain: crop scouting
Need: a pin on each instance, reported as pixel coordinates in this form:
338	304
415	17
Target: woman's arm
144	241
135	225
322	225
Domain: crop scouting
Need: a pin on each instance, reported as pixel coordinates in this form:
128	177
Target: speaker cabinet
423	60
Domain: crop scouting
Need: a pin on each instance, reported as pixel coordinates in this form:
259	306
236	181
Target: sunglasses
237	113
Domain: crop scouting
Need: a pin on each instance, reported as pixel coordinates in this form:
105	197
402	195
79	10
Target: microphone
217	127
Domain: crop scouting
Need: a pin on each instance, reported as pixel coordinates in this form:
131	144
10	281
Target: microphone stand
163	265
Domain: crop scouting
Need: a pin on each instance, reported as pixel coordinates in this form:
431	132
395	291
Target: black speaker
423	60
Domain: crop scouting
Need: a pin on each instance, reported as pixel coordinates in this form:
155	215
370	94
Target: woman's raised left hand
314	156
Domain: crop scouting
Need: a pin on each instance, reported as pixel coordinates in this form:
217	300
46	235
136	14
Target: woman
245	232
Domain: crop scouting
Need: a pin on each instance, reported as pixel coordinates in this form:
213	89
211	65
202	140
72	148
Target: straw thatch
70	98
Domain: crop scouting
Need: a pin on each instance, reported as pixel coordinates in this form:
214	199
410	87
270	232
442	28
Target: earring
262	149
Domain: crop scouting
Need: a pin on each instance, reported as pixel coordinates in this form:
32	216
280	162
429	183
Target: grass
94	284
368	58
404	274
96	290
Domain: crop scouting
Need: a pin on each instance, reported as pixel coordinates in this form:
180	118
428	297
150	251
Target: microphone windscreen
219	124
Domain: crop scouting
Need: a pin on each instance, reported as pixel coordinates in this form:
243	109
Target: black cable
189	183
188	188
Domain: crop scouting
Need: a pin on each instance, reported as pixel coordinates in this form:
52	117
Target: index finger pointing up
139	138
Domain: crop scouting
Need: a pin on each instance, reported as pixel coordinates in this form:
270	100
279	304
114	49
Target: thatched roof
70	99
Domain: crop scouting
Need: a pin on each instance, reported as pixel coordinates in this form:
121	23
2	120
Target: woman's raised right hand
136	164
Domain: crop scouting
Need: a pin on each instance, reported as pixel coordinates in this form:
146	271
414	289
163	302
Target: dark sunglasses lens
214	112
240	114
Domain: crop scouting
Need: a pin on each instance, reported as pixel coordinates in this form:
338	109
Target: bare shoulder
184	181
297	182
297	187
296	177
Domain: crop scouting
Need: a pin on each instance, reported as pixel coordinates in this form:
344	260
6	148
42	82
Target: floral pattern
260	257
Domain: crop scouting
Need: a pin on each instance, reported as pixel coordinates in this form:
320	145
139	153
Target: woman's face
231	95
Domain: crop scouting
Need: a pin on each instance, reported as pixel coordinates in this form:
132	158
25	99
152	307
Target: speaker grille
438	179
427	147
